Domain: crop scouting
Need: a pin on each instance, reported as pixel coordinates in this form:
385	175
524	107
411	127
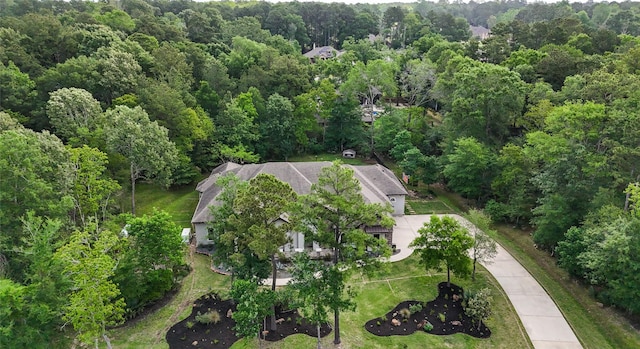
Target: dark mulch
456	321
221	335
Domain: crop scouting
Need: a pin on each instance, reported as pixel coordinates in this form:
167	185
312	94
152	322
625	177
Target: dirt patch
190	333
445	314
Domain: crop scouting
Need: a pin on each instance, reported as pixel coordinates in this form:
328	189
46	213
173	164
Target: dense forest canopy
537	122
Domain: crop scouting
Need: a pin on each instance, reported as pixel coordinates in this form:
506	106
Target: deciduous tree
252	306
152	260
444	241
312	284
484	247
35	171
469	168
91	189
93	304
74	113
145	145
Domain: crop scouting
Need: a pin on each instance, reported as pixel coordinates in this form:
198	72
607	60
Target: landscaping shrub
210	317
428	327
414	308
405	313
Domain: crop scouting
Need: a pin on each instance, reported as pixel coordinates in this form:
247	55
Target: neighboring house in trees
480	32
371	113
379	185
322	53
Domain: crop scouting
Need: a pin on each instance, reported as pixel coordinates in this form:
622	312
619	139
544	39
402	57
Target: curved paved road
540	316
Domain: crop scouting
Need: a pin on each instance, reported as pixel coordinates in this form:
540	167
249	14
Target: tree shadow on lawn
189	333
445	313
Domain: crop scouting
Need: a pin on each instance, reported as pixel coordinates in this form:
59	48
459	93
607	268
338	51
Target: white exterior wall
202	234
397	201
296	244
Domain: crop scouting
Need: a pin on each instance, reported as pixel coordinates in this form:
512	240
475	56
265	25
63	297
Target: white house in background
379	185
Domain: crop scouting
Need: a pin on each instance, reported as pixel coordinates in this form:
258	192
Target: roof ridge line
300	173
367	182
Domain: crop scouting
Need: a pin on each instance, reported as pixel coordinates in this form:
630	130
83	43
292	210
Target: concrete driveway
542	319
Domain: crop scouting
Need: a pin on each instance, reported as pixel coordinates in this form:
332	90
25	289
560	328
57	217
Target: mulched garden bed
191	334
447	306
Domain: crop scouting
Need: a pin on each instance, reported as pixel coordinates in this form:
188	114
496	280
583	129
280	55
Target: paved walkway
540	316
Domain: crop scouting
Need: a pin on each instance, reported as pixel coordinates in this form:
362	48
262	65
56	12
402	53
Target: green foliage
34	168
444	241
401	144
117	20
144	143
210	317
253	305
277	129
415	308
91	191
417	80
483	100
13	308
479	306
428	327
30	314
258	226
73	112
484	248
345	129
333	215
93	303
313	287
469	168
386	128
442	317
222	232
235	126
367	82
16	89
405	313
153	259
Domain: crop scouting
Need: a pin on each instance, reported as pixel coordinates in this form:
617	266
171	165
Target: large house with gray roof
378	184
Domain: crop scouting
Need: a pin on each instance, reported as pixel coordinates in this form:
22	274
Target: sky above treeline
392	1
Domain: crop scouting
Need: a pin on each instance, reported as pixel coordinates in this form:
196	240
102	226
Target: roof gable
376	181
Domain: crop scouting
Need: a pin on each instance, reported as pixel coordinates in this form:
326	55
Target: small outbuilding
349	154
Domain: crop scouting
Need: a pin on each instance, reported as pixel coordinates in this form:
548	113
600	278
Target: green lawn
427	207
330	157
179	202
402	280
596	327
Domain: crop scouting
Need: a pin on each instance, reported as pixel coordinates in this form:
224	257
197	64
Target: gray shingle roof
377	182
323	52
